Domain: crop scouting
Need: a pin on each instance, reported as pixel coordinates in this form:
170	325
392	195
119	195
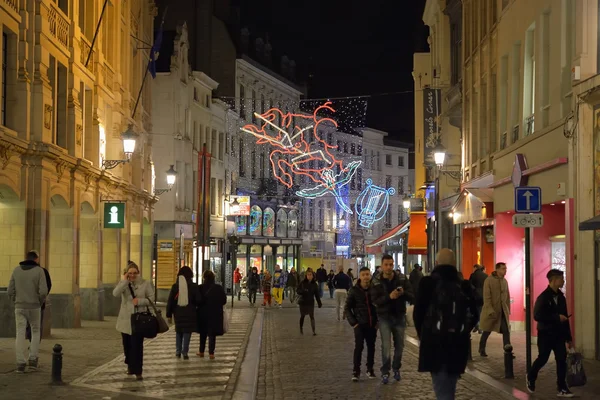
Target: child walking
266	288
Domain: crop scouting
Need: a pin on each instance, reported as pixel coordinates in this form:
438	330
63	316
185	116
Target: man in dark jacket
49	284
477	279
444	353
321	279
362	316
554	331
342	283
253	284
415	277
291	285
389	292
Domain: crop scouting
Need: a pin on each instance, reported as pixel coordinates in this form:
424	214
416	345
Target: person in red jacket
237	279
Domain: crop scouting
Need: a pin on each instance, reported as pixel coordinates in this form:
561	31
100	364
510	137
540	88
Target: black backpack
447	314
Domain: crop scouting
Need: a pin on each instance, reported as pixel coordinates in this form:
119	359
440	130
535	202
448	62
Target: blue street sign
528	199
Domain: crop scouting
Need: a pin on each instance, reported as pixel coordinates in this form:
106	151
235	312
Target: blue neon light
372	203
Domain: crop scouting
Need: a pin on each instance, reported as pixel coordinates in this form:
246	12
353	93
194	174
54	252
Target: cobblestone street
320	367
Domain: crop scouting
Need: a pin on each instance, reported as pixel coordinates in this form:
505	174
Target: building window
455	53
242	166
400	185
529	82
242	102
4	76
207	105
86	18
388	181
388	159
262	104
503	101
253	106
196	97
214	150
253	164
378	162
401	161
352	149
221	145
346	147
108	48
359	178
359	152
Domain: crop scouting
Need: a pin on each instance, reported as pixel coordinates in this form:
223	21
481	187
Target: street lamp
235	206
439	155
129	138
406	203
171	177
342	222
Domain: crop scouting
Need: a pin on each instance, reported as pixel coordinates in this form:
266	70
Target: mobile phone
569	316
399	288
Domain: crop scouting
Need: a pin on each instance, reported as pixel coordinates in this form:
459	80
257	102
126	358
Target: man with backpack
554	332
445	312
390	291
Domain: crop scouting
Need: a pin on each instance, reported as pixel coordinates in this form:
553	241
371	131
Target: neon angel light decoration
297	149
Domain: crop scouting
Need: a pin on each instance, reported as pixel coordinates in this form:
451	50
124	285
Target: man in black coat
253	284
390	291
444	354
415	277
362	316
321	279
477	279
35	254
554	332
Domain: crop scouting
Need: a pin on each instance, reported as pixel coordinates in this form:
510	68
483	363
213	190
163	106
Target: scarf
183	298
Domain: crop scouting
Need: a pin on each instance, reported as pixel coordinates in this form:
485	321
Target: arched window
282	223
293	224
255	220
269	222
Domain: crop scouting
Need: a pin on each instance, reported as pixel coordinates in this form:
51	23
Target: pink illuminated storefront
551	245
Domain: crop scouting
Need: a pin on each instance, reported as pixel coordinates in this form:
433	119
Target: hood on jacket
28	264
495	275
446	272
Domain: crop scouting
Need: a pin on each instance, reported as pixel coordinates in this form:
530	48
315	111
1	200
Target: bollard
470	348
57	365
508	362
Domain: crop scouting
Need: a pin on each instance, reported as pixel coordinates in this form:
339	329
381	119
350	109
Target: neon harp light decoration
296	149
372	203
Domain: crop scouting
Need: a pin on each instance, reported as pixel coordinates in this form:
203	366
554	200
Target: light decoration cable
372	203
296	148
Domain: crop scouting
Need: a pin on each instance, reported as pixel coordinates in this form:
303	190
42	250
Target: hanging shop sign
114	215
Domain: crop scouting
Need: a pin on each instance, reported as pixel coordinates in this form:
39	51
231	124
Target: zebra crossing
166	376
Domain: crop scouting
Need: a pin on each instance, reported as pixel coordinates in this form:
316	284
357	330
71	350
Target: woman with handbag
308	290
210	313
135	293
182	304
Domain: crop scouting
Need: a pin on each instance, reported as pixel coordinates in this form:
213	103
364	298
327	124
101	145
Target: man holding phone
390	290
554	332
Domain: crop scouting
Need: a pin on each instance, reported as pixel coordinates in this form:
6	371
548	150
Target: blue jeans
182	342
392	328
444	384
321	289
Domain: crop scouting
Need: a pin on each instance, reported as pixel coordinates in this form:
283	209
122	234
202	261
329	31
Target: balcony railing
515	133
12	4
529	125
503	139
59	25
85	48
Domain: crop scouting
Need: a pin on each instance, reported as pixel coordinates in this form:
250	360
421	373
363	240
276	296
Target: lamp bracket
158	192
452	173
110	164
104	199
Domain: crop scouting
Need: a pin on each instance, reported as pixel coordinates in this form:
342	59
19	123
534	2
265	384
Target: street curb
246	386
485	378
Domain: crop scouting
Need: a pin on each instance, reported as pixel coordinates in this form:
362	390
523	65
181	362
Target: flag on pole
154	51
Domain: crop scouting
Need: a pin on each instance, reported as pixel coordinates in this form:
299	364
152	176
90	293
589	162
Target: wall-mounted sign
417	204
432	105
166	246
241	207
114	215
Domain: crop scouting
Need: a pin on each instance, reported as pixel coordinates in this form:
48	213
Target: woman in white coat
133	345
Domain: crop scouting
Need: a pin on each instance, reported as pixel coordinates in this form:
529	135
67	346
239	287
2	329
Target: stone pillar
91	290
111	269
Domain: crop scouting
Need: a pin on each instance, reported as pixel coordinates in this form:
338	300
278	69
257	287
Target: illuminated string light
372	203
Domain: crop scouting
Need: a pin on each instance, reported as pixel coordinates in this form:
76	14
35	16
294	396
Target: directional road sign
528	199
528	220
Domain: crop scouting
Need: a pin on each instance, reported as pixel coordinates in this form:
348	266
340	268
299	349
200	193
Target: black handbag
143	323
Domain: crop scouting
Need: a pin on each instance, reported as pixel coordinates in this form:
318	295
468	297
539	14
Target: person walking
351	275
362	316
266	288
49	285
308	290
321	279
496	308
253	284
135	293
477	279
278	285
182	302
415	278
389	292
27	289
330	285
212	298
237	283
554	332
342	283
291	285
445	310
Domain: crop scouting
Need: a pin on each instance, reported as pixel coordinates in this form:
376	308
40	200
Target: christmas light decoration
372	203
298	146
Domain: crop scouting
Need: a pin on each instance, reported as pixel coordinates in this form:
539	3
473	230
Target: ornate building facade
64	109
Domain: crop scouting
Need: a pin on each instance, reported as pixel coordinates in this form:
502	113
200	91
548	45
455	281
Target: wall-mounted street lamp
439	155
406	203
342	222
129	138
235	206
171	177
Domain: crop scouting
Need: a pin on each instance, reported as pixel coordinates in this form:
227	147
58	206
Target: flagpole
162	22
96	34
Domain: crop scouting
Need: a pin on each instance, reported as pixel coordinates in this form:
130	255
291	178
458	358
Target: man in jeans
49	284
28	290
390	291
322	279
554	332
342	283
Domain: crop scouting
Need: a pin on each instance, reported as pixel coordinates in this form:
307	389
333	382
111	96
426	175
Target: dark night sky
351	47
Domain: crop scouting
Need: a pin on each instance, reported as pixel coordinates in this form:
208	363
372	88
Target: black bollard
57	357
508	362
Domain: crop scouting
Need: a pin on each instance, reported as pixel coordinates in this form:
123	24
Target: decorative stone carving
6	152
47	116
61	166
78	134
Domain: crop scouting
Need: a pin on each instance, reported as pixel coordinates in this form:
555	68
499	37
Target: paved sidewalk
493	365
307	367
